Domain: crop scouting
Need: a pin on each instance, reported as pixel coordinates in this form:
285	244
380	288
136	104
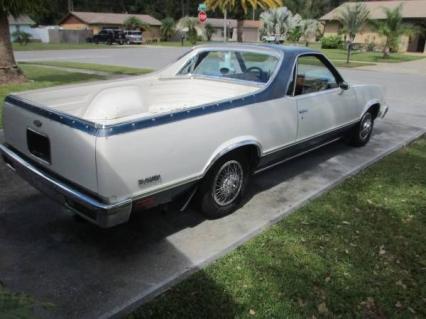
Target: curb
138	301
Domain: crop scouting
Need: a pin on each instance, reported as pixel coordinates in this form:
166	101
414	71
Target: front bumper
102	214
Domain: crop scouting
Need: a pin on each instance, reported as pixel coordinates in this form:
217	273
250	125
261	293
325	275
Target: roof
20	20
110	18
218	23
410	9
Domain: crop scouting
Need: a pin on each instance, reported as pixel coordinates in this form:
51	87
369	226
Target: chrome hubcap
227	183
366	126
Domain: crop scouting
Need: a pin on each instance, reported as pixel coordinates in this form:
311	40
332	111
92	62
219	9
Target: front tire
224	186
362	132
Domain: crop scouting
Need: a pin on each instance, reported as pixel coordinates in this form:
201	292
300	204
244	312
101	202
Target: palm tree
309	29
352	18
191	26
279	21
9	71
135	23
240	8
209	30
392	28
168	28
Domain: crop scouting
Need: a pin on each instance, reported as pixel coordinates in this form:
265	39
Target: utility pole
225	33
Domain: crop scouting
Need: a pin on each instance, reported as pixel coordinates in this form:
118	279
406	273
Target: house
250	29
96	21
20	23
413	12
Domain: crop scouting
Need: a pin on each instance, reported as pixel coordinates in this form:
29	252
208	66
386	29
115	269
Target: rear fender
230	146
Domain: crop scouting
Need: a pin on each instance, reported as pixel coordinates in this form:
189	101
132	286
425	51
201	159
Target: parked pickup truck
193	132
110	36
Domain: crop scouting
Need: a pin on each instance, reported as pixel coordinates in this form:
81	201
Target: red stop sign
202	16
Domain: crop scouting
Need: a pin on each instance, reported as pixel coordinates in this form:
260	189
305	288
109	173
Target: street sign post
202	7
202	16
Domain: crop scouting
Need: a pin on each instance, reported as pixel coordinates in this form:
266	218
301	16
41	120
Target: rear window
241	65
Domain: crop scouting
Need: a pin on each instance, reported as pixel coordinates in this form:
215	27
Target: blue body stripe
275	90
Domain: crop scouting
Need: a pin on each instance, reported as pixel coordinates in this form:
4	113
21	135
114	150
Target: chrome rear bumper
102	214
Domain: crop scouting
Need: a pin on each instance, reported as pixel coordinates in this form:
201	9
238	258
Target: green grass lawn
356	252
337	54
18	305
372	57
41	77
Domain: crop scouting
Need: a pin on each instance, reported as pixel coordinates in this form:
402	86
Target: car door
322	105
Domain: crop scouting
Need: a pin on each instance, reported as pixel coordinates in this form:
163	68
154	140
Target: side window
239	65
219	63
313	76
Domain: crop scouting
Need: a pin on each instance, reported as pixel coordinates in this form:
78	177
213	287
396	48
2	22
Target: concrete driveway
91	273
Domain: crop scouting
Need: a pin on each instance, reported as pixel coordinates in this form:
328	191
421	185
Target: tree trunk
240	30
351	39
239	16
348	57
9	71
225	31
386	50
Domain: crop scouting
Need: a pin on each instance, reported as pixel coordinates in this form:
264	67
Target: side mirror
344	85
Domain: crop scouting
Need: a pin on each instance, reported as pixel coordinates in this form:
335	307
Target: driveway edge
134	303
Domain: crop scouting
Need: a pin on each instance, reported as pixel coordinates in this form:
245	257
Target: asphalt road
146	57
87	272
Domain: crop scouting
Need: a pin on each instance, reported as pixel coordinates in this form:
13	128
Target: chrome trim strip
167	187
280	148
230	148
66	119
63	188
297	155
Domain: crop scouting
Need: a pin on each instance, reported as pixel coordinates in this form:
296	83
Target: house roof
410	9
20	20
218	23
110	18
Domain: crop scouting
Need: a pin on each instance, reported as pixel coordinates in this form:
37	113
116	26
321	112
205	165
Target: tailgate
62	149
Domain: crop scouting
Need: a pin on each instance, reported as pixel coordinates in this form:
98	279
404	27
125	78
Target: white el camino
193	132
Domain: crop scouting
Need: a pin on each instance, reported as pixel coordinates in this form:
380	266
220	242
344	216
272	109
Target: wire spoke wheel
227	183
366	126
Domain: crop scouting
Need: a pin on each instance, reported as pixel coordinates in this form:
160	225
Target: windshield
241	65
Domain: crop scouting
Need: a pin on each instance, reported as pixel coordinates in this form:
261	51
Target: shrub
371	46
21	37
331	42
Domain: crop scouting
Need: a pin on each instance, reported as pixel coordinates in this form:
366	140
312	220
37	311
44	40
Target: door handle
303	111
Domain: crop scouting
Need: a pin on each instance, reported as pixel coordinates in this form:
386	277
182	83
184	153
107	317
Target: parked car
110	36
195	131
133	36
274	38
